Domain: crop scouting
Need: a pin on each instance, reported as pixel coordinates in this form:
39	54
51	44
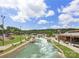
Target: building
69	37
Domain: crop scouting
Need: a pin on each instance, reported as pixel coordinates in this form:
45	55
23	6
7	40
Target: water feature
40	49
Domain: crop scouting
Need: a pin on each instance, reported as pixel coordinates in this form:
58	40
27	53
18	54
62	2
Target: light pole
59	32
3	17
20	35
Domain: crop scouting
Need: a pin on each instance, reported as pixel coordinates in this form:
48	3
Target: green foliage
50	32
44	31
13	29
17	38
67	51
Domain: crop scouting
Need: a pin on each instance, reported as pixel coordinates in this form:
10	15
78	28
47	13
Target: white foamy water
46	48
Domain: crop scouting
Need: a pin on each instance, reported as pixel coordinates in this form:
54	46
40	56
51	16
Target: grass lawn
17	38
69	53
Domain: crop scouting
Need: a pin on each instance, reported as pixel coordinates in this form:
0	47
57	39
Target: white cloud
55	26
72	8
42	22
8	3
50	13
69	12
65	19
59	10
27	29
60	26
43	28
26	9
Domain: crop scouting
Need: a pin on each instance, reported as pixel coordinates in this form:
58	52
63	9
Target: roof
70	34
73	31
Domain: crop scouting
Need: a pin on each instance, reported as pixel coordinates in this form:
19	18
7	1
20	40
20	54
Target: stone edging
16	48
60	51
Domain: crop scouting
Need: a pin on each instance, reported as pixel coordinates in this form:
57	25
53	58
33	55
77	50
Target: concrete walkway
67	45
9	45
18	47
5	47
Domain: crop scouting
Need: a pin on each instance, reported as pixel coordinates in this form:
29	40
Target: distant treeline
50	31
15	30
9	29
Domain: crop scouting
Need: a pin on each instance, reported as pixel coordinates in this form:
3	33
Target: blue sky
40	14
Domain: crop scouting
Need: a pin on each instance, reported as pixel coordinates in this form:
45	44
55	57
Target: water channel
40	49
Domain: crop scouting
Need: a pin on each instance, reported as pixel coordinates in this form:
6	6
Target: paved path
67	45
26	42
5	47
9	45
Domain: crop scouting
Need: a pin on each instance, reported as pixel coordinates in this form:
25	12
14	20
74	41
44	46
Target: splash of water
45	47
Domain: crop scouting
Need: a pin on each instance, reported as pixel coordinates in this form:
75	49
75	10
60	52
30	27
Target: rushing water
40	49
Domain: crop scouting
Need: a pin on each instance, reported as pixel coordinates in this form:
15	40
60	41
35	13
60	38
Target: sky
40	14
